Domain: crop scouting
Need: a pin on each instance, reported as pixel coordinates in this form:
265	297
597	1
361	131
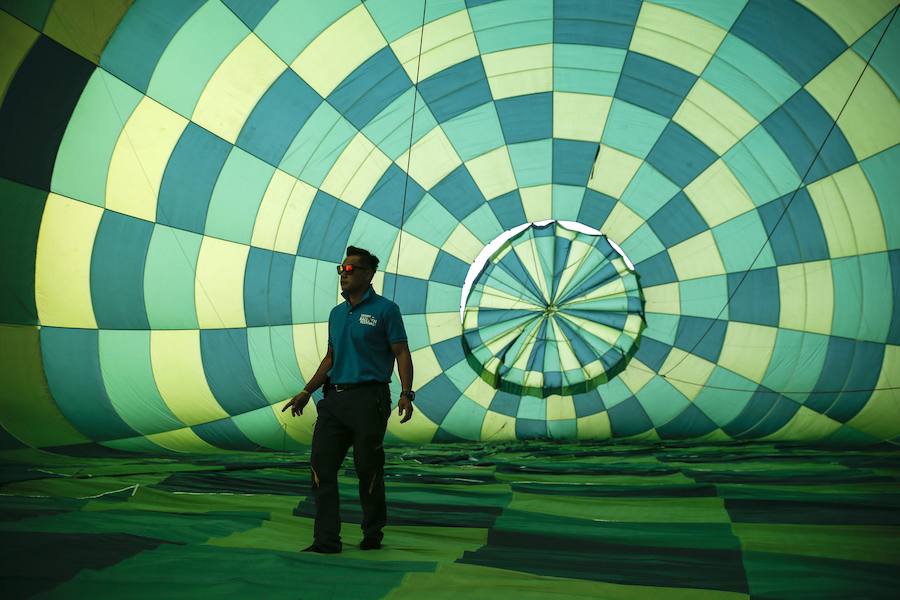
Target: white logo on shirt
367	320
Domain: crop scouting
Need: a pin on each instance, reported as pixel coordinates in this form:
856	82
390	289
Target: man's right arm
298	402
321	374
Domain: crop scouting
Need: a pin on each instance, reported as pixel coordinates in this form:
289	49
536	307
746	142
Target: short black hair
369	260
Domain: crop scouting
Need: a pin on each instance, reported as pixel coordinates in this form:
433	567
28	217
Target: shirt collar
370	293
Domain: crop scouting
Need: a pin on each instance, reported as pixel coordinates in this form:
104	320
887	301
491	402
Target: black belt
340	387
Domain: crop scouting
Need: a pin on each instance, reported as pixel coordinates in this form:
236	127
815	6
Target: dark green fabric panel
36	561
37	109
21	209
32	12
783	576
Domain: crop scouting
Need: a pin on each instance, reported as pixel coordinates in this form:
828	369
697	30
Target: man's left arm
405	370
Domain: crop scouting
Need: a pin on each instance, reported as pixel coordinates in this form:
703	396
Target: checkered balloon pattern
182	178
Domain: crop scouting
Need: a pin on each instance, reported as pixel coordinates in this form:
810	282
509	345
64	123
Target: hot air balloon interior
647	257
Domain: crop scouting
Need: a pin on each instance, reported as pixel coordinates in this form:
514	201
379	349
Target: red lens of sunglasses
343	268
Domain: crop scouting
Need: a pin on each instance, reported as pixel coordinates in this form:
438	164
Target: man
365	336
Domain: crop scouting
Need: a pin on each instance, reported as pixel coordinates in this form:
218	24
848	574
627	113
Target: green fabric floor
523	520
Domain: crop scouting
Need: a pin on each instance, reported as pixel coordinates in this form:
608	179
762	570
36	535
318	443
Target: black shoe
370	544
321	549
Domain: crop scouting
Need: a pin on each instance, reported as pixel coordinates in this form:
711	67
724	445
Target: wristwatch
409	394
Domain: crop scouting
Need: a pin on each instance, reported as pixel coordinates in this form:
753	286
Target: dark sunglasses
350	269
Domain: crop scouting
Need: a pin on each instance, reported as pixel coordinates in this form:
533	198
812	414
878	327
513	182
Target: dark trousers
357	417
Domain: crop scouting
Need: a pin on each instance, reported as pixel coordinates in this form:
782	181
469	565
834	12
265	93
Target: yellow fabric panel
593	369
140	158
697	257
502	300
664	299
417	429
183	440
849	231
833	84
480	392
747	349
445	42
493	173
426	365
713	117
528	254
871	120
377	285
18	38
632	324
520	71
805	426
463	244
718	195
687	373
560	408
62	278
233	91
650	436
578	252
293	217
433	158
532	378
219	283
675	37
594	427
178	371
850	20
636	375
579	116
356	171
620	223
338	50
310	346
880	416
498	427
807	296
615	287
536	202
282	212
442	326
412	256
613	171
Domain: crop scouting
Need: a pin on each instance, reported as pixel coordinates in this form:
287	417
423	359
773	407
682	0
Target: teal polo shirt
361	336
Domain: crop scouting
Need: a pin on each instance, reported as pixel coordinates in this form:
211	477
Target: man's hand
405	408
298	403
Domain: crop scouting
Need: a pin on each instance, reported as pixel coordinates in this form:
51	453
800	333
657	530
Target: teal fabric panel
141	37
72	366
117	272
21	210
512	24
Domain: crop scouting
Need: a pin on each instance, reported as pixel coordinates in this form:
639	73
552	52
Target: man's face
359	278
